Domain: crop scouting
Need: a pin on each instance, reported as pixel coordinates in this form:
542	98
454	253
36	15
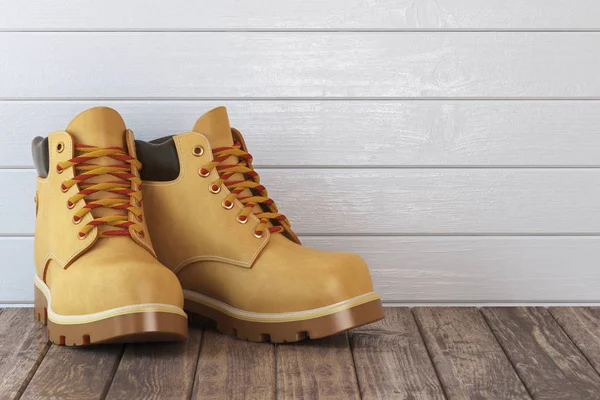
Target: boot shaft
88	187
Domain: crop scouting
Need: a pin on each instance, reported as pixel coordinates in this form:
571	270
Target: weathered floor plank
321	368
547	361
229	368
391	359
157	370
582	324
468	359
74	373
388	359
23	344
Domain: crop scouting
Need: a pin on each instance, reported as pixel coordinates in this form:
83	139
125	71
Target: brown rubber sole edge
292	331
128	328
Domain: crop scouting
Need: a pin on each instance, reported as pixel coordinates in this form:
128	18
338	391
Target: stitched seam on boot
281	317
98	316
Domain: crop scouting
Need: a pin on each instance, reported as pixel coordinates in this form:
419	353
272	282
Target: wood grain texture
355	133
299	64
23	344
317	369
298	14
419	269
67	373
582	325
547	361
234	369
391	360
464	350
467	357
157	370
396	201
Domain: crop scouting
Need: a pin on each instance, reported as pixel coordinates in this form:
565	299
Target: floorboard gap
33	370
276	366
349	339
193	389
505	353
435	368
572	341
113	373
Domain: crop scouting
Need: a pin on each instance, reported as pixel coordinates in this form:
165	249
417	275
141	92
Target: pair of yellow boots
220	247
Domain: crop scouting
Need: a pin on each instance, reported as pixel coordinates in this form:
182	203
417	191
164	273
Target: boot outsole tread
128	328
293	331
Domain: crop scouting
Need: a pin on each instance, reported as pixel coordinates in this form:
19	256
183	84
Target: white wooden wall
454	144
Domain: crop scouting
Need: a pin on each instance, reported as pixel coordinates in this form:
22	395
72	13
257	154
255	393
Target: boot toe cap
92	288
344	277
319	280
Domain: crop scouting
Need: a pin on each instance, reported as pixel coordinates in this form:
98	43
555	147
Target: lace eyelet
214	188
138	218
76	219
228	205
258	235
63	188
203	174
82	235
70	205
140	234
240	220
60	147
59	169
198	151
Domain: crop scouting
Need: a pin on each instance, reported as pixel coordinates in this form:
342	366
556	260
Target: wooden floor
419	353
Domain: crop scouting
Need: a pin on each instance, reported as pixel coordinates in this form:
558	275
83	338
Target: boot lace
86	170
236	187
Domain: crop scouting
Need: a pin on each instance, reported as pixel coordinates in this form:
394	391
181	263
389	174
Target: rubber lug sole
292	331
127	328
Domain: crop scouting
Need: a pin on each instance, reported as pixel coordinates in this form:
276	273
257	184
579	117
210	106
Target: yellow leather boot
97	277
238	260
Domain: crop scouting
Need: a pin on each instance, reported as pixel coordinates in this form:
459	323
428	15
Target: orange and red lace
123	185
236	187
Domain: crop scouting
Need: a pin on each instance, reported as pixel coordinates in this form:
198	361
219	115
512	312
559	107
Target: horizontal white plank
298	64
422	269
299	14
397	201
17	271
356	133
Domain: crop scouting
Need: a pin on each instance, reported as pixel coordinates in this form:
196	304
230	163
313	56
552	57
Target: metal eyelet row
76	220
226	204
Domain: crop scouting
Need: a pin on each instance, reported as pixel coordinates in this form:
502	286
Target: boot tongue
99	126
215	126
